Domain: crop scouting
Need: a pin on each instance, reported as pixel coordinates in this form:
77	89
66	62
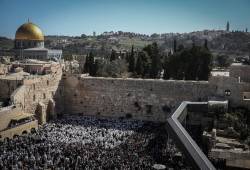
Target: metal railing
185	142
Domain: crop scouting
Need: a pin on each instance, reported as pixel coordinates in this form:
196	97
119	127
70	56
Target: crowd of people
83	142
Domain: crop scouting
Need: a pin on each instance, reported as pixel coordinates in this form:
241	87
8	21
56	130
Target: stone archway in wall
51	109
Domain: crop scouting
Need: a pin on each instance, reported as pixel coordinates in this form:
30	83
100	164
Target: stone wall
4	69
17	97
41	90
8	86
6	114
232	85
146	99
141	99
18	130
240	72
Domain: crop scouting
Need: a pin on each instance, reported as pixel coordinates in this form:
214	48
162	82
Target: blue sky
74	17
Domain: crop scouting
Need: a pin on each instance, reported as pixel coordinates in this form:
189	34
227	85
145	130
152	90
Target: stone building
240	71
36	66
15	122
29	43
28	100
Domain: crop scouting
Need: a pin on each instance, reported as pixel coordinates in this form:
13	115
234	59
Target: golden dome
29	31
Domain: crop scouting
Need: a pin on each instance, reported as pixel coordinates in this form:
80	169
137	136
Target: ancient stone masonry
229	88
43	90
8	86
145	99
7	113
240	71
137	98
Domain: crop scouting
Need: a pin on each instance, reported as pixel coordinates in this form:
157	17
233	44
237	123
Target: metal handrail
192	151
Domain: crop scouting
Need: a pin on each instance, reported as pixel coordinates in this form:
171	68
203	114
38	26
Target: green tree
131	66
127	57
86	65
148	49
139	68
189	64
175	45
206	44
156	61
145	63
83	36
222	61
166	75
115	68
113	55
92	65
180	47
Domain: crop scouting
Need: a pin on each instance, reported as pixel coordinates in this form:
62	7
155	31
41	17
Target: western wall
135	98
147	99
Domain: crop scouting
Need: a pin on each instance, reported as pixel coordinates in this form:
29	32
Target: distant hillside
219	42
233	42
6	44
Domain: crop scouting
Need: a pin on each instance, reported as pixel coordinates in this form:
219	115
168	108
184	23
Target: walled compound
46	96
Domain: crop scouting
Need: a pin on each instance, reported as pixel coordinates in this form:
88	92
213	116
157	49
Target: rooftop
15	76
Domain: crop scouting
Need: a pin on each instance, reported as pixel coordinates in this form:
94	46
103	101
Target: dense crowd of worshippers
82	142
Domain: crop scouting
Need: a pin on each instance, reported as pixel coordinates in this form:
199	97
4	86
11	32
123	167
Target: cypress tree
91	64
206	44
175	45
86	65
139	64
191	64
180	47
146	61
166	71
113	55
156	61
228	26
131	60
127	57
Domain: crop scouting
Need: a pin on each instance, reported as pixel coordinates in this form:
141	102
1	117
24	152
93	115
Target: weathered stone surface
145	99
41	113
142	99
